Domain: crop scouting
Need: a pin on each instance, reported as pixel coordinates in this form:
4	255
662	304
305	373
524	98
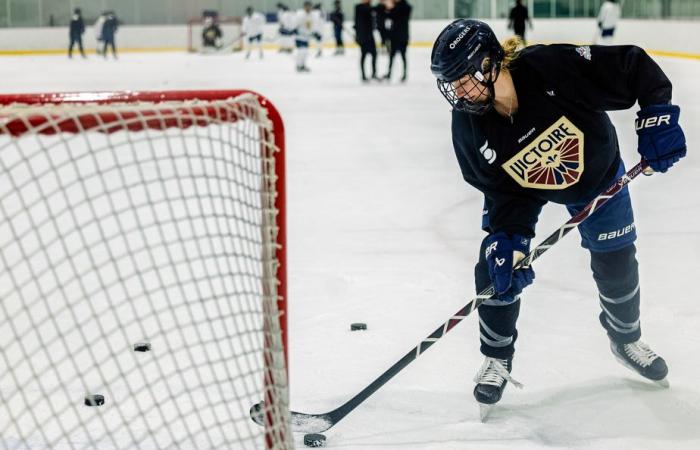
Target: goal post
142	270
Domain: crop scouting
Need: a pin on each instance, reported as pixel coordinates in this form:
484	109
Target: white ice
383	230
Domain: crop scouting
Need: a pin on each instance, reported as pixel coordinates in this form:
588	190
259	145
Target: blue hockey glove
502	253
661	139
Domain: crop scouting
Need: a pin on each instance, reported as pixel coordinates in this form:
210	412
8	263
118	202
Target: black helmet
467	47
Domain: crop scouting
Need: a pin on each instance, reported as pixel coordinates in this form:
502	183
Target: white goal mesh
151	222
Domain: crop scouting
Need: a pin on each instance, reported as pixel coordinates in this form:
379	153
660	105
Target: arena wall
676	38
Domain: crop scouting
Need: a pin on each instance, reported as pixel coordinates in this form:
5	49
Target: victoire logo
459	37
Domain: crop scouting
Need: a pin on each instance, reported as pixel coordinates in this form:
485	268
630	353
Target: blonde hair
511	50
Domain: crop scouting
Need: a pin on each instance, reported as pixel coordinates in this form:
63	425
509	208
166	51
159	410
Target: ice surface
382	230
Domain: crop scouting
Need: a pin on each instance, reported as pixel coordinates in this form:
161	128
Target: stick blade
300	422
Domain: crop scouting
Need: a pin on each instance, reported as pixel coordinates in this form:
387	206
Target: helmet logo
459	37
474	51
553	160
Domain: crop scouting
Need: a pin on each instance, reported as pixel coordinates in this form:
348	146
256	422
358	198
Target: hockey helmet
466	60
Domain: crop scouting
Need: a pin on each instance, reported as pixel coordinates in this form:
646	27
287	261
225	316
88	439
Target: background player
319	22
211	34
337	19
364	35
253	24
517	18
109	31
77	28
303	31
529	126
399	13
608	16
287	21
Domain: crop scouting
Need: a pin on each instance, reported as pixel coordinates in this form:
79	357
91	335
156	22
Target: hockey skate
640	358
491	380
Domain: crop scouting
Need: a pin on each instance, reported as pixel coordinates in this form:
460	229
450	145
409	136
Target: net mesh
139	223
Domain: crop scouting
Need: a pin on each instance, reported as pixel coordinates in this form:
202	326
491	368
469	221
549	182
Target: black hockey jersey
560	145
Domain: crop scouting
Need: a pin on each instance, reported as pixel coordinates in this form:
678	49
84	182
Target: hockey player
338	18
211	35
253	23
99	23
77	28
287	20
608	16
364	35
517	18
399	12
109	30
528	127
319	22
303	31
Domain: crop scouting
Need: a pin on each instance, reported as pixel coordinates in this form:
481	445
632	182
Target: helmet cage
481	85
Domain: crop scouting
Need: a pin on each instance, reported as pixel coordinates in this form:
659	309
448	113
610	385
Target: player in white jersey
303	32
607	21
288	22
319	21
253	23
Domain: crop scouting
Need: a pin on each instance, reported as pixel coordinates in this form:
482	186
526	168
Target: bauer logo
553	160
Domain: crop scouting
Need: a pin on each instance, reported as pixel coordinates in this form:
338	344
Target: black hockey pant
107	44
400	48
368	48
76	40
616	275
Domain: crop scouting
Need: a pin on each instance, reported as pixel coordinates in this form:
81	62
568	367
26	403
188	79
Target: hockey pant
368	48
302	52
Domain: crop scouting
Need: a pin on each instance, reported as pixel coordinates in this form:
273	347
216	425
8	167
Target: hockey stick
316	423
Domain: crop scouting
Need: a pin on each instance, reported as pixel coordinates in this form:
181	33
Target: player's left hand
502	253
661	139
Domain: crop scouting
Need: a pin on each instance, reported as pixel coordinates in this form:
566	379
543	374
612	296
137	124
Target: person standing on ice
109	30
529	126
253	24
608	16
303	30
77	28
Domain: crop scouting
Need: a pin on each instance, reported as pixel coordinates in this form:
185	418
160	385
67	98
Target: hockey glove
661	139
502	253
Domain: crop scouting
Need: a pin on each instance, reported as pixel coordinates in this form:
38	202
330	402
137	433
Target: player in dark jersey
517	18
530	126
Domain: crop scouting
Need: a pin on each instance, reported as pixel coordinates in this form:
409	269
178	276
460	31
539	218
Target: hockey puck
358	326
94	400
314	440
142	347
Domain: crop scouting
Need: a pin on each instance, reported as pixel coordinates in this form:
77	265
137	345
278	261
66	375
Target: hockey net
142	221
231	35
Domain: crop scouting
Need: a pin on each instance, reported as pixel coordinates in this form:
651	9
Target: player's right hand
502	253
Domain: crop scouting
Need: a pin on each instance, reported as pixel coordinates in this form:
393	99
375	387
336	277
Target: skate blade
663	383
484	411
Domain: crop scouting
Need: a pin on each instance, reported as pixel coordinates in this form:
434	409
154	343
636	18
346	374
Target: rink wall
673	38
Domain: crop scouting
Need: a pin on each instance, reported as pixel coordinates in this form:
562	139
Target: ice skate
491	380
640	358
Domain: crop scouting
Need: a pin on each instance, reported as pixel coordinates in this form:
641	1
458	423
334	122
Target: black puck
142	347
314	440
94	400
358	326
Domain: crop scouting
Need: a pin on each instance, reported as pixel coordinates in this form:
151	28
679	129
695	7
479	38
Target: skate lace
494	372
640	353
